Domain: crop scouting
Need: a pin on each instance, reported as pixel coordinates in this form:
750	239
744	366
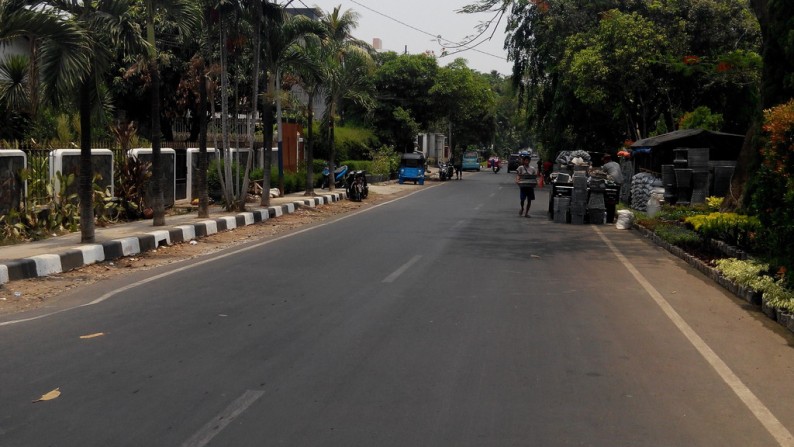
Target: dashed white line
215	426
402	269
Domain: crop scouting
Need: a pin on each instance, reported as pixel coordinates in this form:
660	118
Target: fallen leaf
98	334
49	396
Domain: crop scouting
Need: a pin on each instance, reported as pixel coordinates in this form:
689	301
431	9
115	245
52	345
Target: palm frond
14	78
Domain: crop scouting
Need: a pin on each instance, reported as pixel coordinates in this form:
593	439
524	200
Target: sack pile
567	157
624	220
641	189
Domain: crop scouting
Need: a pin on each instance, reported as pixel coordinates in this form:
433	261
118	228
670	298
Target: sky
416	24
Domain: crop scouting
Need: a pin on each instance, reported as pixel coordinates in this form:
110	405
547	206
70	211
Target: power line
463	46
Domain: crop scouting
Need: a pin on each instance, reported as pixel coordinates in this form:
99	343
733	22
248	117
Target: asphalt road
439	319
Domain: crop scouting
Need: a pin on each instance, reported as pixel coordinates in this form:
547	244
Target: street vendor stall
580	193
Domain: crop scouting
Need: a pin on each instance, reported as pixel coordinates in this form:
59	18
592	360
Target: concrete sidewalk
64	253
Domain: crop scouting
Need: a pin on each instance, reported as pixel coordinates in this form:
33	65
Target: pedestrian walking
526	179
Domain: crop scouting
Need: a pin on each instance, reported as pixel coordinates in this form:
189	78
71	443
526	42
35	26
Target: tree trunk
267	144
85	178
201	180
775	19
226	178
309	147
331	147
254	96
156	188
279	127
158	205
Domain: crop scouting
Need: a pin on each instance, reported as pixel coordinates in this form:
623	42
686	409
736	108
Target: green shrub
772	189
385	161
678	235
776	295
731	228
358	165
318	166
755	275
293	182
745	273
678	213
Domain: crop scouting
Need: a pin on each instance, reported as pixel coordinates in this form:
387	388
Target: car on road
513	161
471	161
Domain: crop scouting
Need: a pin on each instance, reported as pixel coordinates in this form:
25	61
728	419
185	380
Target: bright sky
416	23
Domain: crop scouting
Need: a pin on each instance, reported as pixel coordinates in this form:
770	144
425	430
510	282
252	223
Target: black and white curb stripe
44	265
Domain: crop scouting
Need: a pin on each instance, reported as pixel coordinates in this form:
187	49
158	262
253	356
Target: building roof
672	137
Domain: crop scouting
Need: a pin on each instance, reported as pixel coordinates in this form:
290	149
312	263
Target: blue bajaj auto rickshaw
412	167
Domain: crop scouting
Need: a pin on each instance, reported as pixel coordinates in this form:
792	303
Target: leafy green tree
701	118
611	66
310	77
777	87
571	56
511	132
402	82
79	40
348	67
466	98
406	129
284	36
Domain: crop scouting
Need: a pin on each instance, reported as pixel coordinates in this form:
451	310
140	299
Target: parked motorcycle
339	176
445	170
356	185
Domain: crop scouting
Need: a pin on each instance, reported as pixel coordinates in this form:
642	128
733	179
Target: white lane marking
402	269
215	426
188	267
458	224
476	208
492	194
750	400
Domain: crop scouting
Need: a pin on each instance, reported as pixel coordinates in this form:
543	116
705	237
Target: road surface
438	319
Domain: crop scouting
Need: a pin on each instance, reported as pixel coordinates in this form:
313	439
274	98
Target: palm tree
16	88
79	40
283	37
311	78
186	17
349	65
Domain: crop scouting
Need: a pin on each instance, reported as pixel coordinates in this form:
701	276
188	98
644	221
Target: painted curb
49	264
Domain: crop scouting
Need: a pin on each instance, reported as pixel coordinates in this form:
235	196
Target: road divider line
402	269
771	423
215	426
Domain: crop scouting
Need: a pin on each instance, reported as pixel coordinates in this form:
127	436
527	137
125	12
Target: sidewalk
64	253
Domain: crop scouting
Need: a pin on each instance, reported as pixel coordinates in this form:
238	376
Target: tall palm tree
349	65
185	16
311	77
79	40
283	36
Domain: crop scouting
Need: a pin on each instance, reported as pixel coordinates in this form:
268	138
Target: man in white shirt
527	192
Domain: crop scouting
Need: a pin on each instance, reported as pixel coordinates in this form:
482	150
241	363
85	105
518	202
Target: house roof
672	137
